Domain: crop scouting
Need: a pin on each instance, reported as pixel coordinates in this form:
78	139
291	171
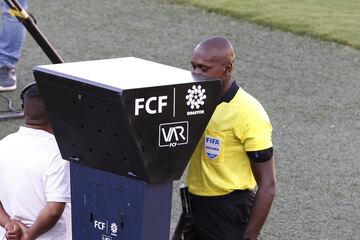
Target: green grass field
333	20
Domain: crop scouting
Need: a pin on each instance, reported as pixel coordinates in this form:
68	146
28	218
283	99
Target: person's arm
264	173
57	193
4	216
12	229
47	218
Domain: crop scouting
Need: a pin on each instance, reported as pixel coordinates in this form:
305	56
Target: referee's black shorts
219	218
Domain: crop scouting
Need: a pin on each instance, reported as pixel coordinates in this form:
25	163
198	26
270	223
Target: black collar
230	94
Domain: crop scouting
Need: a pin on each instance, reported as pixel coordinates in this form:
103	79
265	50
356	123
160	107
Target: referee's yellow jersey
219	164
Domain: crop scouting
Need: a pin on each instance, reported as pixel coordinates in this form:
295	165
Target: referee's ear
228	67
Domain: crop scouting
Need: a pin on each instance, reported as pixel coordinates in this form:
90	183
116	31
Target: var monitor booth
128	127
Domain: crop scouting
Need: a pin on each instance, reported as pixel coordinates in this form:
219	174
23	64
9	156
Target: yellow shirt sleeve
253	127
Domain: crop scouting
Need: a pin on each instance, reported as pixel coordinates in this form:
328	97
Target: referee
231	177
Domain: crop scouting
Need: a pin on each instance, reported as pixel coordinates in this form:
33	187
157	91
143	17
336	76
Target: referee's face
207	63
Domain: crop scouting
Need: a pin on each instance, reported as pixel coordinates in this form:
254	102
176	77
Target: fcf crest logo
212	147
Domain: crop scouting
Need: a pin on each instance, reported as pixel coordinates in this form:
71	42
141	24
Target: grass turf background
331	20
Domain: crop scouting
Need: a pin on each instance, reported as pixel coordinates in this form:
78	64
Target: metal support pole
16	10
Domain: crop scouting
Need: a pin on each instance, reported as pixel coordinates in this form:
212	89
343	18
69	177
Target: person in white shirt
35	181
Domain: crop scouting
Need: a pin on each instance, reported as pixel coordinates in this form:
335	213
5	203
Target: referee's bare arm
264	173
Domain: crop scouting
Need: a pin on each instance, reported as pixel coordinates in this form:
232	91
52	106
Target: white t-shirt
33	173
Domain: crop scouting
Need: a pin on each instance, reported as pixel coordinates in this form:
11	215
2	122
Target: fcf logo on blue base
212	147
